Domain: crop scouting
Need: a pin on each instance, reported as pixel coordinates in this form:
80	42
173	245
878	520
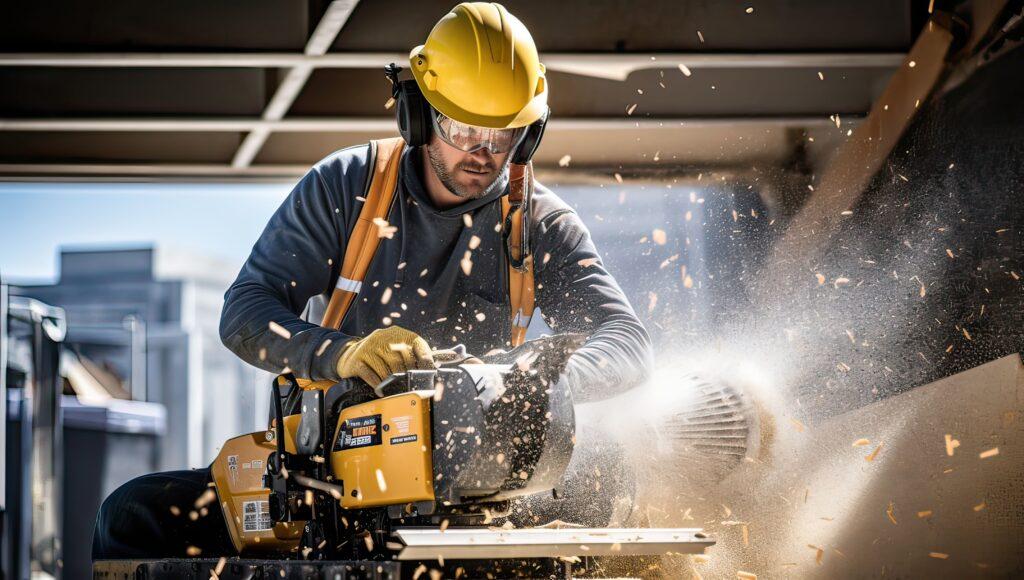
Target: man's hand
383	352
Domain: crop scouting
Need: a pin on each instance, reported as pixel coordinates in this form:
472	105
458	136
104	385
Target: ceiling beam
323	37
18	171
610	66
381	124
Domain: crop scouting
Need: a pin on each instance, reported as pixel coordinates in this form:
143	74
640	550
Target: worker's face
467	175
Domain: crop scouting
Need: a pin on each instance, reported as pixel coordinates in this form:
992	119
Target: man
480	74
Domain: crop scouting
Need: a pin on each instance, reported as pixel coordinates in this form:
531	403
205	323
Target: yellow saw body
421	472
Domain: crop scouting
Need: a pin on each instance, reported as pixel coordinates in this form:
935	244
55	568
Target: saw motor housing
452	445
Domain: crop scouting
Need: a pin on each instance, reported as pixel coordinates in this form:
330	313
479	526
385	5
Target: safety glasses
471	138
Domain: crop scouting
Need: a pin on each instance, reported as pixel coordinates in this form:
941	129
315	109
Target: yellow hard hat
480	66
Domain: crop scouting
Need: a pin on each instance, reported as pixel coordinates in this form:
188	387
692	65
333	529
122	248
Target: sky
219	220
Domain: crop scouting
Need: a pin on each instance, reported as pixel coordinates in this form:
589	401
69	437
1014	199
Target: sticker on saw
359	432
401	424
256	516
402	439
233	467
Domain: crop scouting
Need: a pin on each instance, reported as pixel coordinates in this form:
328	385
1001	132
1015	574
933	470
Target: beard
446	174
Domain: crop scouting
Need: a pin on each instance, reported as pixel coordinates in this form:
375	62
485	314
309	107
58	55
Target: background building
148	317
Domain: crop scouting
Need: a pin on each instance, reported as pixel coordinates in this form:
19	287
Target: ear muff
534	133
412	112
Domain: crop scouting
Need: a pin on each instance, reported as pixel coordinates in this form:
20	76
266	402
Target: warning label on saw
359	432
403	439
256	516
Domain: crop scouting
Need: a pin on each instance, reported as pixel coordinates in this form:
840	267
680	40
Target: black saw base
253	569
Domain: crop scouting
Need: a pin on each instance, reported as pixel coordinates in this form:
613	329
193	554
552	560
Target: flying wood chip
279	330
951	444
384	229
990	453
873	454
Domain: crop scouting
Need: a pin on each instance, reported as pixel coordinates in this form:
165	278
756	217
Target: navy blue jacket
298	258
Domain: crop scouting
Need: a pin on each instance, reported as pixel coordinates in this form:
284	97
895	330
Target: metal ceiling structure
264	89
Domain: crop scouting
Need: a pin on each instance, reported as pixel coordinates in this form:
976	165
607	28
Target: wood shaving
989	453
873	454
746	575
797	424
323	347
207	496
565	160
890	512
279	330
924	513
659	237
979	507
819	553
384	229
861	442
938	555
951	444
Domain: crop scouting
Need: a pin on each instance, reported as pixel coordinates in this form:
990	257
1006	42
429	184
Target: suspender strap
515	210
362	243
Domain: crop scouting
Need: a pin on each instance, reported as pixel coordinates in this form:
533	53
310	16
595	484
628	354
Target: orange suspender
362	244
520	260
365	238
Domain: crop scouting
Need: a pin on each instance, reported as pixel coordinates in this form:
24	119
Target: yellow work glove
383	352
